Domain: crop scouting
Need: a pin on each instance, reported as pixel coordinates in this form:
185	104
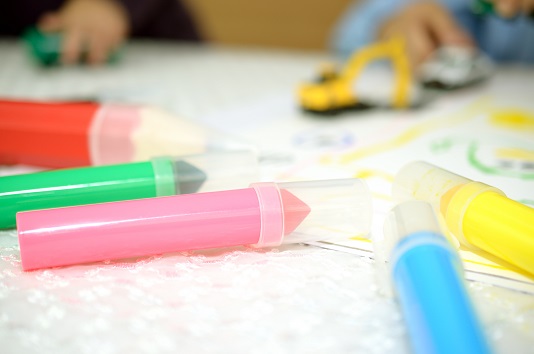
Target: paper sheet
485	133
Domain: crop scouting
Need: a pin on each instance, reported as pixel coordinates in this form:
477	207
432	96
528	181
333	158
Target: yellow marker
480	216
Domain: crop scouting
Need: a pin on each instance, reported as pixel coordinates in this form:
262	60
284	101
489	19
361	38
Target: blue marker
428	279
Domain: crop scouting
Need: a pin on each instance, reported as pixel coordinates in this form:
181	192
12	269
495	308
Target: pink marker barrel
89	233
267	214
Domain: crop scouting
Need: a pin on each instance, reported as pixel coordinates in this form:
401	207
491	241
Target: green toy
45	48
485	7
482	7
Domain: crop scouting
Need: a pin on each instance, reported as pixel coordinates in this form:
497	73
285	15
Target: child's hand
512	8
425	26
94	27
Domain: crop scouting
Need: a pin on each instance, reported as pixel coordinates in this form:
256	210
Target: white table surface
293	299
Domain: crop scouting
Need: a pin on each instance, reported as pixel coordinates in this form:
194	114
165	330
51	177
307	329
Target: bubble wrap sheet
288	300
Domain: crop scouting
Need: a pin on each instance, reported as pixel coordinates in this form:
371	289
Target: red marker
84	133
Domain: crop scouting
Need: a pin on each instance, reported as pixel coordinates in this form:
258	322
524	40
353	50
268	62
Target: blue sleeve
503	40
508	41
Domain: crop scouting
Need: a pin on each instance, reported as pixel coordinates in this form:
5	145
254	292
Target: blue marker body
427	276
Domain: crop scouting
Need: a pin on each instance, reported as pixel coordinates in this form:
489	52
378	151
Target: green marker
46	47
156	178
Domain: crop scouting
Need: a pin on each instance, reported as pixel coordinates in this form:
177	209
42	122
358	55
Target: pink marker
263	215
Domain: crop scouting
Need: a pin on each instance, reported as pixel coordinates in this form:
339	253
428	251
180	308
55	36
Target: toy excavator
336	91
380	75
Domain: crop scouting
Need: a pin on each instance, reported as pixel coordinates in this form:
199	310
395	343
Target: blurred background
302	24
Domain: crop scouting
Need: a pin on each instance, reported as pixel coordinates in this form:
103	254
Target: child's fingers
508	8
101	43
98	48
73	42
528	7
446	31
420	43
50	22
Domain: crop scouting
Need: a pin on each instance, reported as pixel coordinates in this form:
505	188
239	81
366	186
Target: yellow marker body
489	220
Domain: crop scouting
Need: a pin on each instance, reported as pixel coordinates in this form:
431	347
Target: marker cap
161	133
127	133
424	181
313	210
449	193
405	219
213	171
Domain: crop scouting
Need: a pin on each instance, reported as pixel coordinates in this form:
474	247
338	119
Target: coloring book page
485	133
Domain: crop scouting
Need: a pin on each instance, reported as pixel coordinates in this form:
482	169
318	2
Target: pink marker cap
313	210
267	214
